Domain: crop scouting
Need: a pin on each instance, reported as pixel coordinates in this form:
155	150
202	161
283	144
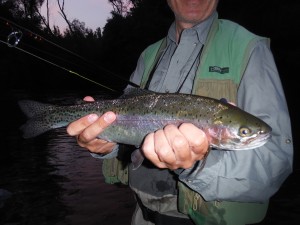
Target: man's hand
176	147
87	128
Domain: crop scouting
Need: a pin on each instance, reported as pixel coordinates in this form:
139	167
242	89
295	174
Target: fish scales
141	112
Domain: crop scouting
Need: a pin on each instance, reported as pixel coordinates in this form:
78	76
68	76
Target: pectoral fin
137	158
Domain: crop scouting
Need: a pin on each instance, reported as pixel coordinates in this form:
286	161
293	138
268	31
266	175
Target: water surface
50	179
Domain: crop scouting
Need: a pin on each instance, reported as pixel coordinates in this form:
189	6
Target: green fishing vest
222	63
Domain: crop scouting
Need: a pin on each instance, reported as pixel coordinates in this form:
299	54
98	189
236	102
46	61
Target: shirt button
288	141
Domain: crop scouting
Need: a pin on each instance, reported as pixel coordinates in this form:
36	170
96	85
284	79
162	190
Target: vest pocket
216	89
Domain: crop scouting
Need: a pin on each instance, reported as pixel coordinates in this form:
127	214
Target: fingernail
109	117
92	118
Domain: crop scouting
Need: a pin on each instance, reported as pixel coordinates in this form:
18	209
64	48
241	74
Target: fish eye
244	131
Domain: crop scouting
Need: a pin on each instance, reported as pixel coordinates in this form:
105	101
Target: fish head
235	129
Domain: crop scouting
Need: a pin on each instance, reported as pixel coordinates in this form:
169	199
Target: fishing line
40	37
54	64
14	35
46	40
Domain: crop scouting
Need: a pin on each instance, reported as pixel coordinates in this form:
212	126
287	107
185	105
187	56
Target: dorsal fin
132	91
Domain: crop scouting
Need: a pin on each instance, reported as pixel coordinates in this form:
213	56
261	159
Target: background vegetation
109	56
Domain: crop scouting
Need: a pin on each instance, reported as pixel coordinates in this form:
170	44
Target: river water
50	180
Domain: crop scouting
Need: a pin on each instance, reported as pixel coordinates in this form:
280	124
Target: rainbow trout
140	112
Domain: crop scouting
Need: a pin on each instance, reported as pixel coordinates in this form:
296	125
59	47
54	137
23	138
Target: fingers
157	149
149	152
96	127
174	147
88	128
76	127
198	142
179	143
88	99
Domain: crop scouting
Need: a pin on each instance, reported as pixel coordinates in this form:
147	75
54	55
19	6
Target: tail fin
36	123
32	108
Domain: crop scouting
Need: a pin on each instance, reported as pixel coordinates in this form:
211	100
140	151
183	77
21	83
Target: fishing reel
14	38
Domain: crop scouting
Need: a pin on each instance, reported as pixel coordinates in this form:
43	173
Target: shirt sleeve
252	175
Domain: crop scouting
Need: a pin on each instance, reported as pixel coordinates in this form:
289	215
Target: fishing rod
39	37
63	68
14	38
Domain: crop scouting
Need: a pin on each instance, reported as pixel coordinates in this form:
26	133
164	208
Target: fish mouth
236	144
255	142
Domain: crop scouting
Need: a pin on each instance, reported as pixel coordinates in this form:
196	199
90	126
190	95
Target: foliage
107	57
124	38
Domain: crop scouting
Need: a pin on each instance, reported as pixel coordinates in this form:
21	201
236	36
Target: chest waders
222	64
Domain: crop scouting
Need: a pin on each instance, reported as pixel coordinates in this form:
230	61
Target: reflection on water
51	179
103	203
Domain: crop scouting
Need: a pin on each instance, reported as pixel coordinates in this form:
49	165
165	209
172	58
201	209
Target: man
203	55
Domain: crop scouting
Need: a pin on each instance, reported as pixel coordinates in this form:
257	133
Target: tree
63	14
125	37
121	7
30	7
